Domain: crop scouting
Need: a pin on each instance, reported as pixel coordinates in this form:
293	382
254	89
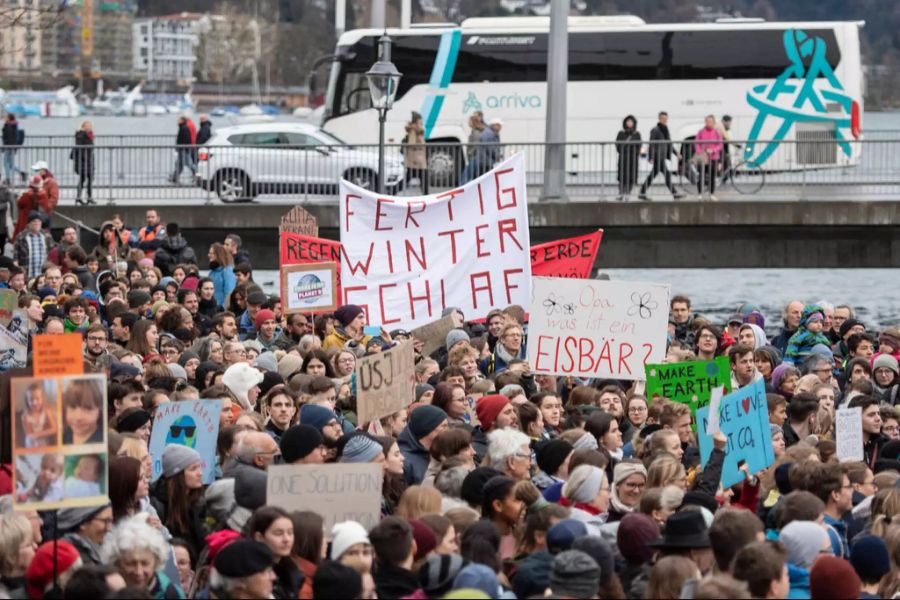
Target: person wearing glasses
95	343
86	528
510	347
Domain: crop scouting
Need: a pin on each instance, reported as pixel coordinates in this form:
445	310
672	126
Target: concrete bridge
746	234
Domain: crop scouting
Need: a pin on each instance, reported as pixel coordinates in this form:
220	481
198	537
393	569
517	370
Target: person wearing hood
752	335
205	132
660	151
424	425
628	147
12	139
243	381
708	149
174	250
109	248
82	156
86	528
804	541
808	335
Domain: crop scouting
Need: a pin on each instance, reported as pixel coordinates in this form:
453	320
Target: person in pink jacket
708	148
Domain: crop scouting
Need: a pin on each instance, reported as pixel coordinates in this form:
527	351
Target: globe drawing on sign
309	289
712	369
807	91
183	430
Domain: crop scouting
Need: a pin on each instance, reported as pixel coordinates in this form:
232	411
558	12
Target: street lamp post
383	80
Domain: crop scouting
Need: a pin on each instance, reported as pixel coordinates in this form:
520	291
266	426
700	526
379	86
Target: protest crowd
489	481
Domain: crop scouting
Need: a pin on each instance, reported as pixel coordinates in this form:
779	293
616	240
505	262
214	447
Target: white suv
243	161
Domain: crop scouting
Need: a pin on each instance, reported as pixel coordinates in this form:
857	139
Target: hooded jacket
174	250
799	578
416	457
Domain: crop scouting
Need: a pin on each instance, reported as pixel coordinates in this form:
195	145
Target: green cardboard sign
688	383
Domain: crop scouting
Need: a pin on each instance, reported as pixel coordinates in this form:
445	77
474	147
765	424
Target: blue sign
802	93
744	419
191	423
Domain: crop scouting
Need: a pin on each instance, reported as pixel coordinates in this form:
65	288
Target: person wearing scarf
629	478
587	493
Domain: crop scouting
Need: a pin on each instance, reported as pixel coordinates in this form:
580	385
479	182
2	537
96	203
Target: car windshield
330	138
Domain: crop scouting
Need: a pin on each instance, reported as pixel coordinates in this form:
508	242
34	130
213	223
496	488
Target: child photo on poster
37	421
84	409
39	477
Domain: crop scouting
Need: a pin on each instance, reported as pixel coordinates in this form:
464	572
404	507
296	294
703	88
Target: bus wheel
444	163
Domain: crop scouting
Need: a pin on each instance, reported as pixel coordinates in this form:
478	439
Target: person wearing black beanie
303	445
425	423
472	490
553	460
336	581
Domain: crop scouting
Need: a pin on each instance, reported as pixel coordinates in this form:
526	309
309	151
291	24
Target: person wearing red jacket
34	198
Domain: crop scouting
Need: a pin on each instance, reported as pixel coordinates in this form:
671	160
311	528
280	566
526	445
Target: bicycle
745	177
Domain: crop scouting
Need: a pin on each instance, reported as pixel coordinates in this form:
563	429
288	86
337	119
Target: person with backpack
82	156
13	138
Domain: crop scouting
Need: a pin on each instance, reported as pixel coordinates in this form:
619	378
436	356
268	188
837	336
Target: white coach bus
781	83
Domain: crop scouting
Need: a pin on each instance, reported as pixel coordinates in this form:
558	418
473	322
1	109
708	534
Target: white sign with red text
602	329
405	259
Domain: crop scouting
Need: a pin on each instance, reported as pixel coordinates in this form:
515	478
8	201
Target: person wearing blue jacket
221	271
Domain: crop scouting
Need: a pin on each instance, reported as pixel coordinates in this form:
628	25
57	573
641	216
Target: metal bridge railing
814	167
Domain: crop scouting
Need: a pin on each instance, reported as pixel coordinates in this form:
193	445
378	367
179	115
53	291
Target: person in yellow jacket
353	321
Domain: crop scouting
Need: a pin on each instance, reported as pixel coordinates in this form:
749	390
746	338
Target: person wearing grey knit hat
267	362
362	449
176	458
601	551
574	575
85	528
424	393
177	371
454	337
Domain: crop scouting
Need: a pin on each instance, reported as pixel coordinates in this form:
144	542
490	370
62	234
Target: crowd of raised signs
495	482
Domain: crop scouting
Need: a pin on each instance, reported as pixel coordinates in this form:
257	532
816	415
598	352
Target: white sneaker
713	198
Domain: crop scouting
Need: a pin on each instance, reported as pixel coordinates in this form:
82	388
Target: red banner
571	257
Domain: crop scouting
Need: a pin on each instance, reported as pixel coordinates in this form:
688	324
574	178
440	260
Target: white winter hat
240	378
344	536
41	164
496	121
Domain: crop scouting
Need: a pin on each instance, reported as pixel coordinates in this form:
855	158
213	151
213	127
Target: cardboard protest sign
589	328
309	288
744	419
385	382
570	257
848	434
56	355
9	301
14	342
191	423
406	259
688	383
434	335
337	492
59	431
298	220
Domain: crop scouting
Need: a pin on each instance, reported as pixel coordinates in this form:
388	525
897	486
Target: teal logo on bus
504	102
793	97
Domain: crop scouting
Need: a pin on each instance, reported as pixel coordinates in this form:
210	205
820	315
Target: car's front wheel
362	177
233	186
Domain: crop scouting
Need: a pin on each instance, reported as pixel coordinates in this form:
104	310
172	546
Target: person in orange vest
150	238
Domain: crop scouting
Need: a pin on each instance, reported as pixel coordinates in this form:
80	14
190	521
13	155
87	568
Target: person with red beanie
833	577
267	329
494	412
39	576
